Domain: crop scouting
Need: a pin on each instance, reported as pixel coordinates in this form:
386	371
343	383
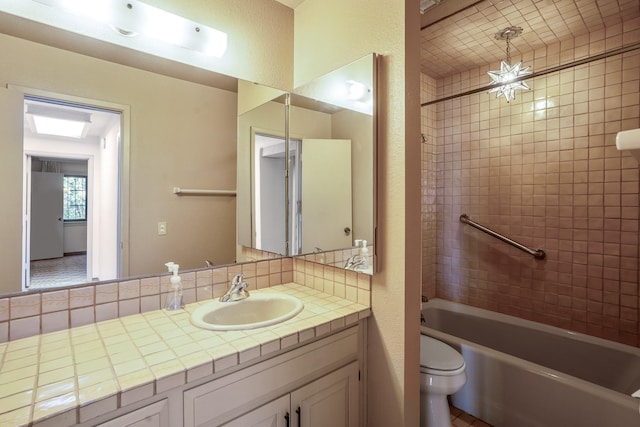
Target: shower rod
623	49
538	254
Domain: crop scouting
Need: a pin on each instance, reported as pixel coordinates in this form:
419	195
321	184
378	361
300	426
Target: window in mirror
74	190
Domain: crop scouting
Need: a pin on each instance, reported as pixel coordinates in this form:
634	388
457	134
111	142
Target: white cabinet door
331	401
326	194
154	415
273	414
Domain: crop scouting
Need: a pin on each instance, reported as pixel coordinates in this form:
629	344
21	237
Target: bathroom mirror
189	142
180	121
158	157
319	198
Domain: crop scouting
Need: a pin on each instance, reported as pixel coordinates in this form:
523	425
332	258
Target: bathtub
525	374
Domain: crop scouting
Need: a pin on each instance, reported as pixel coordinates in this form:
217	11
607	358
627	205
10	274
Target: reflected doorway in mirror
71	193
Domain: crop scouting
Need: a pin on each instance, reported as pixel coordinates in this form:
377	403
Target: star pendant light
508	77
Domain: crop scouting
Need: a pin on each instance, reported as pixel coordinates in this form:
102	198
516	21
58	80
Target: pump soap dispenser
174	299
364	253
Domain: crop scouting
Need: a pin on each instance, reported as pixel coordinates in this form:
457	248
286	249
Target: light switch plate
162	228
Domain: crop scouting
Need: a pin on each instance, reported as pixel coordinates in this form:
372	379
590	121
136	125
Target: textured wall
329	34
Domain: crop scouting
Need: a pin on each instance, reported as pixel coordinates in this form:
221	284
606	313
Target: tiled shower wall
544	171
429	138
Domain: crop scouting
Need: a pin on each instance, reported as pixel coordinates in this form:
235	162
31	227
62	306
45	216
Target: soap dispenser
364	253
174	299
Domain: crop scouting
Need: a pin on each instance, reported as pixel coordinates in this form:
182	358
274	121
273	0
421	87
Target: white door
46	215
331	401
326	194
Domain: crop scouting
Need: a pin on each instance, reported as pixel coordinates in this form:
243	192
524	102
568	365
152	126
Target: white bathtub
526	374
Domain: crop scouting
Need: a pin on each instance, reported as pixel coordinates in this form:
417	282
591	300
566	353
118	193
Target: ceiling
454	40
101	121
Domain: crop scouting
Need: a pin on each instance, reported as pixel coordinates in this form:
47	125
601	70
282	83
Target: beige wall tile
25	327
55	321
24	306
81	297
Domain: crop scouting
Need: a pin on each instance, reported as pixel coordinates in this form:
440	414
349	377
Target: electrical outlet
162	228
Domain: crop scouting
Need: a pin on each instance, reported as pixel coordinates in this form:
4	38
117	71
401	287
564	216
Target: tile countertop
87	371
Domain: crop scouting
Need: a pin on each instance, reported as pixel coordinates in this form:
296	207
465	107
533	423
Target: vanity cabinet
154	415
331	401
316	385
274	414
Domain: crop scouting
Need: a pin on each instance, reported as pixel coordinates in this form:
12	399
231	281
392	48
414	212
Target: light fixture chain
508	50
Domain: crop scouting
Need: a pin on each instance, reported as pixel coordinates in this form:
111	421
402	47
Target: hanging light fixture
508	75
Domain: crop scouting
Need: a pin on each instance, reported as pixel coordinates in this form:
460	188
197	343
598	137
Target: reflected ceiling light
132	18
56	122
357	91
507	75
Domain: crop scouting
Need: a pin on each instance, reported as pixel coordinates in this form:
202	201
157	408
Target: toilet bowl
442	372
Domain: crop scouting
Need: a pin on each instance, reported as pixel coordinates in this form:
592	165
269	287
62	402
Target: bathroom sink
256	311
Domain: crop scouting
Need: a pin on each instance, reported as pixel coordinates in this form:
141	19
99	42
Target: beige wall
11	207
259	32
390	28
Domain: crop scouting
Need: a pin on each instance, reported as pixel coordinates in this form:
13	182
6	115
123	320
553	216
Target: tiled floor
52	273
462	419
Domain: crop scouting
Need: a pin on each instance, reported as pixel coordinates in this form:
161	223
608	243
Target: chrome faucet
354	262
237	290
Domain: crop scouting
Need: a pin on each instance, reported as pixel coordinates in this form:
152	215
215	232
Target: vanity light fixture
57	122
132	18
508	74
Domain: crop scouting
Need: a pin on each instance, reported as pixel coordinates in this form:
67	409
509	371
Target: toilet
442	372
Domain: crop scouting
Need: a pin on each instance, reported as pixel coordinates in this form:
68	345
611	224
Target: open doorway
71	193
270	183
317	193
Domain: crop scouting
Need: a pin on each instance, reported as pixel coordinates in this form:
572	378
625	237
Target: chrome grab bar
538	254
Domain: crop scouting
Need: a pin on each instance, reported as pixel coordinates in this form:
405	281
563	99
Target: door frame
26	232
123	176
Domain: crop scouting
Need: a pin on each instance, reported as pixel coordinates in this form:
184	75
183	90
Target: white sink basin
257	311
